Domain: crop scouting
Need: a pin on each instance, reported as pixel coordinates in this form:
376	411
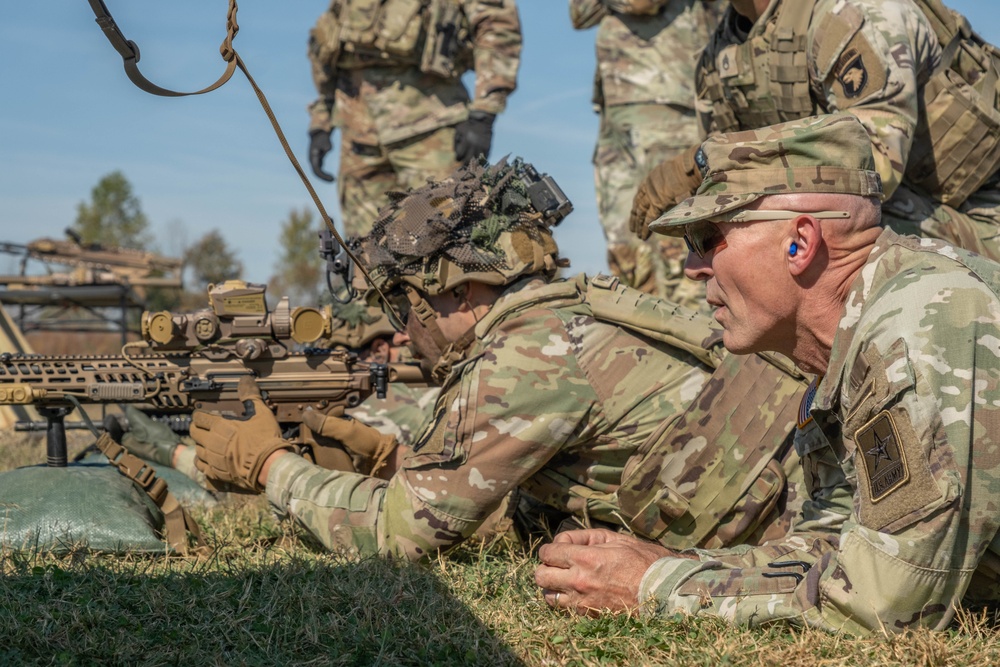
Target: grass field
267	596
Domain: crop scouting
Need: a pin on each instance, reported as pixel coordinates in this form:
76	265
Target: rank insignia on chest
852	73
881	456
725	62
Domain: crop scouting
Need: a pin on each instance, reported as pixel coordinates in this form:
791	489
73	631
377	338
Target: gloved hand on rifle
319	146
474	136
667	185
373	447
147	439
234	449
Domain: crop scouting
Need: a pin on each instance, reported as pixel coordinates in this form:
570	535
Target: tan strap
129	51
176	520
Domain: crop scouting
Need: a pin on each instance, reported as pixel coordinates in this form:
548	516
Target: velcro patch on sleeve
882	460
893	475
859	71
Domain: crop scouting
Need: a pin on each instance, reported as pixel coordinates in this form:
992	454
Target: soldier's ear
802	244
461	295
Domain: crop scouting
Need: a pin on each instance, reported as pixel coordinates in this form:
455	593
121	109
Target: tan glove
234	449
667	185
360	439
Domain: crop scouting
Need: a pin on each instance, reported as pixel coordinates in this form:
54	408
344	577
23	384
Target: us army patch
852	73
883	460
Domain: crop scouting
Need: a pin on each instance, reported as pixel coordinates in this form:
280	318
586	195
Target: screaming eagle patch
852	73
859	71
881	456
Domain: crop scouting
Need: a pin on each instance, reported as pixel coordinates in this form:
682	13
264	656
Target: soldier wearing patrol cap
593	399
901	333
922	83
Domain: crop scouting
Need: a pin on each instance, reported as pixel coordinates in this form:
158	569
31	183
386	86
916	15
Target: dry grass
266	596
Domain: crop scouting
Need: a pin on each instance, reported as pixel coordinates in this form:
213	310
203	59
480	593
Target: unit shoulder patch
894	478
881	456
859	71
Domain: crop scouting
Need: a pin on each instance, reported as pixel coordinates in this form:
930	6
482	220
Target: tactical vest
747	485
430	34
764	80
956	147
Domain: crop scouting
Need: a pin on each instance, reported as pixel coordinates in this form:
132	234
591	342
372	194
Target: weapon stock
191	361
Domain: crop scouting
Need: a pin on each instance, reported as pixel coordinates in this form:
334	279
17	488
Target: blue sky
70	115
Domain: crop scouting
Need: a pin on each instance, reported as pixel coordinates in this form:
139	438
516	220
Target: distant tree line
114	217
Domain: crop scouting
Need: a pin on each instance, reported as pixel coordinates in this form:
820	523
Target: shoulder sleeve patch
881	457
831	35
859	72
894	476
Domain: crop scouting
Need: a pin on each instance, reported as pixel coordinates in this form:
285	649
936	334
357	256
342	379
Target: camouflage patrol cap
830	153
479	224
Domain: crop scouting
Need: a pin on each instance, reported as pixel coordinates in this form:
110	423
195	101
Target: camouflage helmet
489	224
357	324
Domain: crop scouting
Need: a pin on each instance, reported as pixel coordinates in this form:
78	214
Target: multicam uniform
393	86
560	403
910	421
403	412
644	93
878	60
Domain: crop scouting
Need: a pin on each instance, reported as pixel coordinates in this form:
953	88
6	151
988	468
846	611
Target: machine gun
188	361
93	264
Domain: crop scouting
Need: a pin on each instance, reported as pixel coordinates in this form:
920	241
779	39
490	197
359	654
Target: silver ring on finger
555	602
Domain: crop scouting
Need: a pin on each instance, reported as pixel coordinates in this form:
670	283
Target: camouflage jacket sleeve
485	440
588	13
495	30
323	76
871	58
585	14
905	407
404	412
731	582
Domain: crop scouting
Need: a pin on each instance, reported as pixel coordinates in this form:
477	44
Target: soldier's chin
737	344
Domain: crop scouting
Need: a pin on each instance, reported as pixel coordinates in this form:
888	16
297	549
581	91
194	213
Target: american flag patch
807	401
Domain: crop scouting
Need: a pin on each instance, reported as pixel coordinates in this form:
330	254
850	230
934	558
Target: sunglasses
705	237
396	306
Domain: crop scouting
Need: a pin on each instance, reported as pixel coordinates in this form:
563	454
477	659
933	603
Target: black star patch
852	73
883	461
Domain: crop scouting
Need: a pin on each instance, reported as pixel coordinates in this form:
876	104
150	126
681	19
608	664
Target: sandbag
84	505
188	492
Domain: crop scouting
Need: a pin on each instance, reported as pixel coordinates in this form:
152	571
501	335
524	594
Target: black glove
474	136
319	146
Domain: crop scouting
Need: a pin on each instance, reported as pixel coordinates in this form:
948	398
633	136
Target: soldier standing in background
912	71
644	94
388	74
